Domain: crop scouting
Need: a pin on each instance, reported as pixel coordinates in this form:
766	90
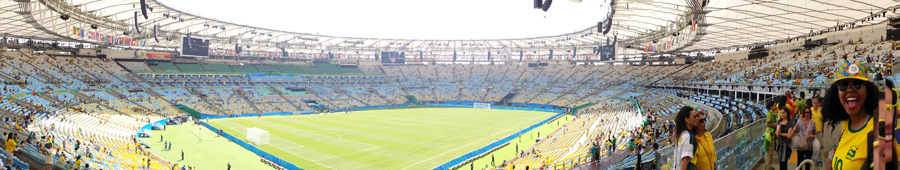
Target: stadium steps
139	78
581	99
154	93
642	95
385	73
373	91
95	77
69	72
519	77
674	72
357	99
4	77
115	93
240	93
276	91
459	94
195	92
620	94
507	98
81	95
437	96
134	77
404	90
37	75
110	108
22	103
49	98
109	72
41	72
142	106
543	90
47	78
202	97
487	91
568	76
338	90
570	91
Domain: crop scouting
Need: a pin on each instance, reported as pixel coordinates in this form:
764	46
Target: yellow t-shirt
851	151
10	145
705	156
817	117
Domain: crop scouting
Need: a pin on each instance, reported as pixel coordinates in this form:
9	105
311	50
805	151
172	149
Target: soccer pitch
414	138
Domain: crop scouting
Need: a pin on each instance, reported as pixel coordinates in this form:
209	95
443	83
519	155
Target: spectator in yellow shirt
10	147
705	153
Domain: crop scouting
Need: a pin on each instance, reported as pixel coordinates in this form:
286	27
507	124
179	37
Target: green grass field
202	149
383	139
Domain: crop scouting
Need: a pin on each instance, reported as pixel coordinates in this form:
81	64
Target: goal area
258	136
482	105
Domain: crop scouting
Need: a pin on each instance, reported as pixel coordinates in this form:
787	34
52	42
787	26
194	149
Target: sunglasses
702	120
844	86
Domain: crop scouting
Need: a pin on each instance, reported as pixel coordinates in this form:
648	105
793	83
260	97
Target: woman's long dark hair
680	124
833	111
786	110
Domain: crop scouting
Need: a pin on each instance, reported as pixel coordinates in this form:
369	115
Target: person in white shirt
685	121
48	161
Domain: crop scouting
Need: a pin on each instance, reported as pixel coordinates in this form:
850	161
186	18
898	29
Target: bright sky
408	19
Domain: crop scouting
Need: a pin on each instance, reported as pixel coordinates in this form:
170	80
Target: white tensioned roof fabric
726	24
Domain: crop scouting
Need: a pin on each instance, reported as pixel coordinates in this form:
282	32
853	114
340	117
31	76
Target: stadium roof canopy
637	23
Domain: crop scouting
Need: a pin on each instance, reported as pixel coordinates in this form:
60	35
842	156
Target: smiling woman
411	19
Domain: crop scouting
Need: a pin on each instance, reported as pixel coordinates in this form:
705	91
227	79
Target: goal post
482	105
258	136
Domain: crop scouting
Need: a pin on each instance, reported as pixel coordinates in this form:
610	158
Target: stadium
402	84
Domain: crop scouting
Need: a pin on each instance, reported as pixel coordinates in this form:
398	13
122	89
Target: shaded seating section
222	68
182	96
266	101
291	69
311	70
266	69
190	67
136	66
365	97
245	69
155	104
225	98
165	66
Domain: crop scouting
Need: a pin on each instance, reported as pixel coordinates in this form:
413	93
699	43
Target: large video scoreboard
393	57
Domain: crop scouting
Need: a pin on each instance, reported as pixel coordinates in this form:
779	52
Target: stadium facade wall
867	33
734	55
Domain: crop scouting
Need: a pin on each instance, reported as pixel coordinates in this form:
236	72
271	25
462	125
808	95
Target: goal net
258	136
482	106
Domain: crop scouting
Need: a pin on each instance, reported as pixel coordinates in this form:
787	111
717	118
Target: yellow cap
851	71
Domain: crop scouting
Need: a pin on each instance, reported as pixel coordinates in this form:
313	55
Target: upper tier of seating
327	69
